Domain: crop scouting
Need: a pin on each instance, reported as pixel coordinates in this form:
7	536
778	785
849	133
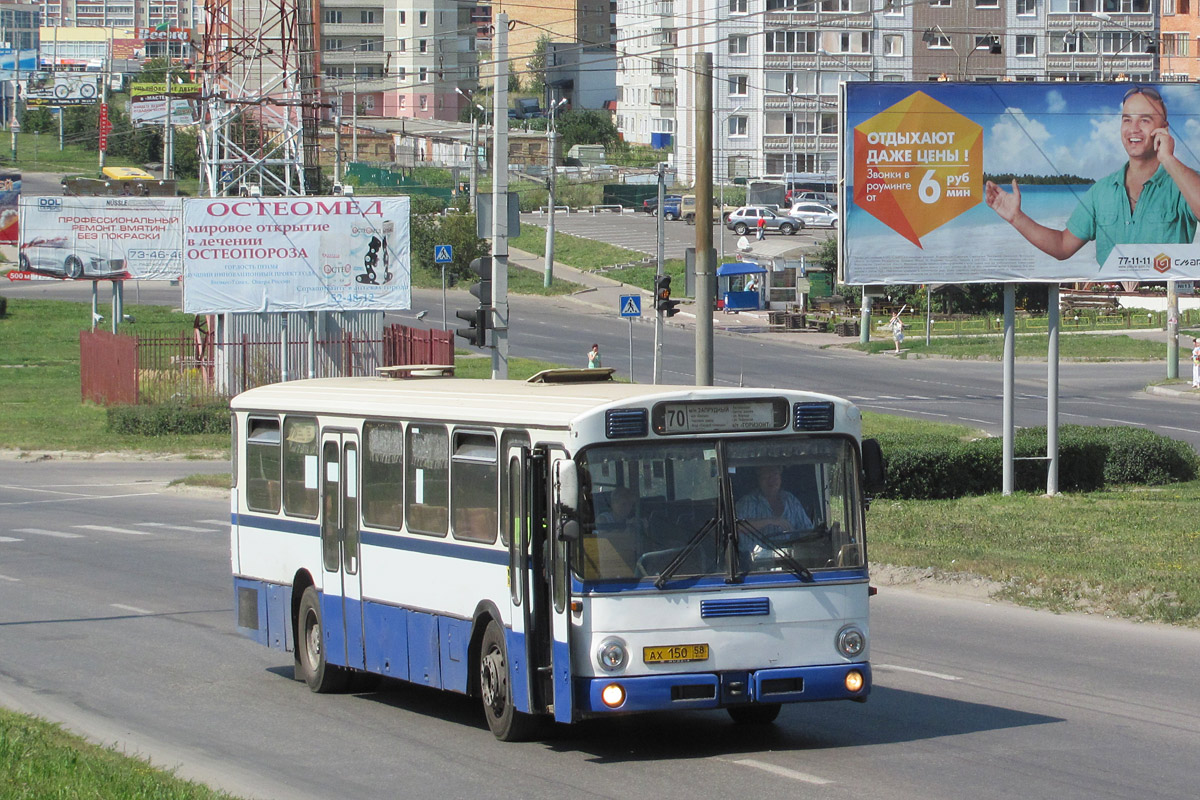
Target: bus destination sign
729	417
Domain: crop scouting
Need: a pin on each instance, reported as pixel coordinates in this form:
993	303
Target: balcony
351	29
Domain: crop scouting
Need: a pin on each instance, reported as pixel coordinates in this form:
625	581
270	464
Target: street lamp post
552	139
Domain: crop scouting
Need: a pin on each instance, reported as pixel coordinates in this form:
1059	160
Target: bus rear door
341	600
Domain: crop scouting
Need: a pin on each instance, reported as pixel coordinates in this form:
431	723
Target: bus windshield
726	509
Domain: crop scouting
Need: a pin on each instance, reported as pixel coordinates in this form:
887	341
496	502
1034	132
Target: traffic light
479	319
662	296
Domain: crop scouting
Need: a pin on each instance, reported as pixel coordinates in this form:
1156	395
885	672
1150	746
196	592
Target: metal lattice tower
263	107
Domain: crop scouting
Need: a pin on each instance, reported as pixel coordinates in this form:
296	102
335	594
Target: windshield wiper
802	572
678	560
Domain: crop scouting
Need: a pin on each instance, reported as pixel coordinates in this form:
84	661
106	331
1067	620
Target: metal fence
195	368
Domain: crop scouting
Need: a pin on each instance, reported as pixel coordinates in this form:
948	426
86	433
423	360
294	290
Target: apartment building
583	22
396	58
778	64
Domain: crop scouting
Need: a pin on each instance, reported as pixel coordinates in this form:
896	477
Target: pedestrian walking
1196	363
897	326
594	357
762	227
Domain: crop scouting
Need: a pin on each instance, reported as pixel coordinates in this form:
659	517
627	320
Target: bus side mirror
874	477
567	478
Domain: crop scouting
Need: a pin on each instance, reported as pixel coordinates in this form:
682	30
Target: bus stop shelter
732	280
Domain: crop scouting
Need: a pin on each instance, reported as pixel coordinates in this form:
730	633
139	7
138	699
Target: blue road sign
443	254
631	305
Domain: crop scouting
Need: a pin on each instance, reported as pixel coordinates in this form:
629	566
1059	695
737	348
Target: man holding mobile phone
1153	199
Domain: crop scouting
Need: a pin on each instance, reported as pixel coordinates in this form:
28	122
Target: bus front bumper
700	690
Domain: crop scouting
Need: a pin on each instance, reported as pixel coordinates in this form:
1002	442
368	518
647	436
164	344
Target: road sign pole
444	326
631	350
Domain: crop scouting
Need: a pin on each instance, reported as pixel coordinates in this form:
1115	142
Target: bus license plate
675	653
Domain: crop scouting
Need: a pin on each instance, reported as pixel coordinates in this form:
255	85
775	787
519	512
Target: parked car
688	208
824	198
814	214
745	220
670	205
60	256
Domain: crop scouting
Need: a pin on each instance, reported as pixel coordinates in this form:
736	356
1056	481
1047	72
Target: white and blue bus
561	548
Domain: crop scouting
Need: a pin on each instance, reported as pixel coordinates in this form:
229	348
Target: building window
424	102
738	126
791	42
1026	8
739	45
333	44
939	3
1026	45
737	6
738	85
987	3
1174	44
422	17
893	45
332	17
366	17
939	41
423	45
423	74
401	17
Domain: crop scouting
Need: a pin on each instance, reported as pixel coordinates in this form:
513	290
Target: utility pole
169	121
500	203
474	159
337	140
552	139
705	269
658	271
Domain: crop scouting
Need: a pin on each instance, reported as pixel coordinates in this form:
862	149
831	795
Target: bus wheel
757	714
507	724
320	675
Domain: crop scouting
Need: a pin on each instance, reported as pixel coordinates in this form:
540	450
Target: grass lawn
41	760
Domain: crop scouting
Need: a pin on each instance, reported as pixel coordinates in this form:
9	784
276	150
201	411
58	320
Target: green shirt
1162	216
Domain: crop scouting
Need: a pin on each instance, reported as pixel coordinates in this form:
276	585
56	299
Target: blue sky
1042	128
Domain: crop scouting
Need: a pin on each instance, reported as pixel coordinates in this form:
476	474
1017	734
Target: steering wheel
799	536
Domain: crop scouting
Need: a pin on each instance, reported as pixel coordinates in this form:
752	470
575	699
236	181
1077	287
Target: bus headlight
611	655
851	641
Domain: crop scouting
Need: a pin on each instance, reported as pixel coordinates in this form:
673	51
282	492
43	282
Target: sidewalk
604	295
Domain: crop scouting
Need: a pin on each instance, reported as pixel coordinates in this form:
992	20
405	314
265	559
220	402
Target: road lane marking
10	539
44	532
783	772
10	580
185	528
111	529
81	498
132	609
939	675
214	521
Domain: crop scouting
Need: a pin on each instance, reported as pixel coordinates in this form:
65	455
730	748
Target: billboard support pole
864	325
1052	320
1010	304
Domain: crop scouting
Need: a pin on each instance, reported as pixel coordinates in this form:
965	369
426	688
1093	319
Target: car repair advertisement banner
100	238
1020	182
295	254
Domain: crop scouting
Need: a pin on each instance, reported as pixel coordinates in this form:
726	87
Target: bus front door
559	569
341	600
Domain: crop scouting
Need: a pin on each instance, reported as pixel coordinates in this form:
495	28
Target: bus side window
474	489
262	465
383	474
427	479
300	491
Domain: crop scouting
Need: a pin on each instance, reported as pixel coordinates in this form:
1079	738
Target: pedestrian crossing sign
443	254
631	305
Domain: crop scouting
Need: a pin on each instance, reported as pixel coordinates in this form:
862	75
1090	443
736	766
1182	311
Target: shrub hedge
168	419
1089	458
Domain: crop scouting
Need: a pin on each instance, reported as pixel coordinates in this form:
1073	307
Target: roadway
116	619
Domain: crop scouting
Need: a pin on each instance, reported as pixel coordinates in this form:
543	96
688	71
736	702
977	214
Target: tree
536	65
586	127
